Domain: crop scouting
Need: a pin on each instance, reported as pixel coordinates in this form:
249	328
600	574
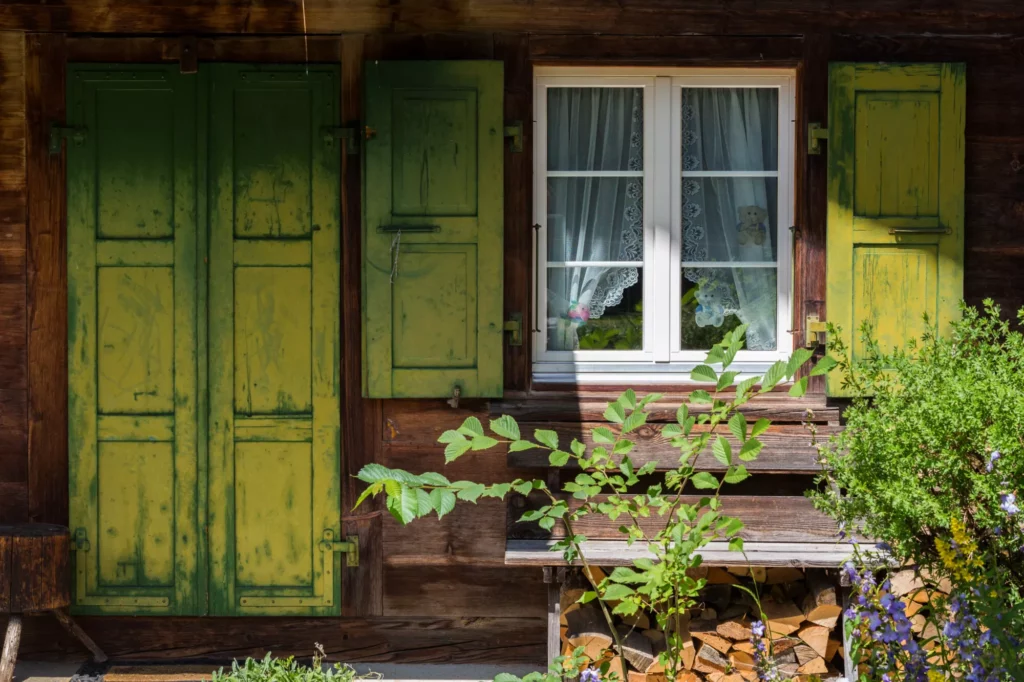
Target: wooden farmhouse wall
439	591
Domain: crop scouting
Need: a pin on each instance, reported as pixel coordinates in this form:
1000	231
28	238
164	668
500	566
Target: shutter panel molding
895	235
433	222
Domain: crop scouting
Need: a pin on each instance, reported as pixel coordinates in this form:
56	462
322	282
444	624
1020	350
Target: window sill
637	373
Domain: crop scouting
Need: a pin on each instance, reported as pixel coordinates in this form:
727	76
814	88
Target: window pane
595	308
595	219
730	219
730	129
595	129
717	300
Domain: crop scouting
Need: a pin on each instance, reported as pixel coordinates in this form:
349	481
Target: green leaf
760	426
725	380
506	677
704	481
471	492
451	436
520	445
704	373
547	523
617	591
797	359
722	451
408	504
558	458
498	490
627	399
798	389
578	448
432	478
602	434
546	437
483	443
587	597
506	427
472	427
700	397
738	427
623	447
622	574
682	414
750	450
736	544
371	490
371	473
824	366
736	474
614	413
426	505
671	431
523	488
773	376
634	421
746	385
453	451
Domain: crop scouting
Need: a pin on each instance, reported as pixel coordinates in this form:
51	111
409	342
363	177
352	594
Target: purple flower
589	675
992	459
757	628
1008	503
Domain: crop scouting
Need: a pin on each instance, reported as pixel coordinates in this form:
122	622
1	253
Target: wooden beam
785	518
47	285
688	50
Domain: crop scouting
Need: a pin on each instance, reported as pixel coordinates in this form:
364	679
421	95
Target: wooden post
554	611
10	652
78	633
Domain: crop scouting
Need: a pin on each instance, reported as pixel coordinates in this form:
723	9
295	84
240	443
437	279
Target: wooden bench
780	530
34	578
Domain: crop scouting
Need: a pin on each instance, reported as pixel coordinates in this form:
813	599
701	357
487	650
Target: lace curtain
732	129
592	218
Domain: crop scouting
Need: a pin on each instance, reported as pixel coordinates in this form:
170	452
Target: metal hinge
813	327
58	133
348	133
349	547
514	325
515	131
815	136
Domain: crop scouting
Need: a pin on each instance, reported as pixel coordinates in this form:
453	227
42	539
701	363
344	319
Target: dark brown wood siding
440	591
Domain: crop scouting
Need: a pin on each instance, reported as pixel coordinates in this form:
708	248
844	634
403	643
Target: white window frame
661	360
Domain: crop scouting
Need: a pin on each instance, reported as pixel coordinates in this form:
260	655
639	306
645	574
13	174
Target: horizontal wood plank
786	449
618	553
785	518
717	50
467	592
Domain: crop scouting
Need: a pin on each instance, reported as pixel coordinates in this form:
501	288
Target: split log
638	651
586	628
814	667
834	645
638	620
782	618
820	605
710	660
783	574
904	582
816	637
736	629
707	632
804	654
781	644
719	576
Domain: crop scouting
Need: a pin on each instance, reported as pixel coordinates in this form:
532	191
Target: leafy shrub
931	465
272	669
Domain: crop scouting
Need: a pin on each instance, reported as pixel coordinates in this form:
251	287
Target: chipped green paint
131	191
896	195
432	306
274	301
203	344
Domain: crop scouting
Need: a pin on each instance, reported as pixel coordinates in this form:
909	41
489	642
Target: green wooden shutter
274	301
895	200
432	300
131	348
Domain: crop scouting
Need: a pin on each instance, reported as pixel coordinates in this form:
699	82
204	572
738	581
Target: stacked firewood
801	618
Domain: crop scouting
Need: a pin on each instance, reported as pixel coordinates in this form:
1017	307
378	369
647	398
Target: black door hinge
350	134
58	133
515	131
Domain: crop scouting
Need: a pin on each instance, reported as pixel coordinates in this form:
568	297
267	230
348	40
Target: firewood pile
803	629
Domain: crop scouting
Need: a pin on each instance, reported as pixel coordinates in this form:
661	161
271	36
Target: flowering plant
931	465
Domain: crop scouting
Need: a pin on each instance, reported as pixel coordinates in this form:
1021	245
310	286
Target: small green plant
675	511
931	465
271	669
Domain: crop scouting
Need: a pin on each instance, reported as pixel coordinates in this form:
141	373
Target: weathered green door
274	300
432	309
203	252
895	200
133	431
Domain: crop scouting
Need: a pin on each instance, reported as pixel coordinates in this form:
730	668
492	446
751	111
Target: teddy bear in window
752	233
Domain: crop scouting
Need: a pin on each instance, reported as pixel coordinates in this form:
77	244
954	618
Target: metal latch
813	327
815	136
514	325
515	131
350	134
58	133
349	547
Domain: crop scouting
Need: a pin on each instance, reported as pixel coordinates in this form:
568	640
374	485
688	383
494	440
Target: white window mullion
650	214
676	212
660	269
540	218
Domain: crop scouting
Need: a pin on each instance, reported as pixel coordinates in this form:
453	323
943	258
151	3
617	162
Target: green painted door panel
895	238
274	300
132	323
432	269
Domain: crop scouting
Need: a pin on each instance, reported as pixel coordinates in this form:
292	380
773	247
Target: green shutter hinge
81	543
514	325
515	131
350	134
349	547
58	133
815	135
813	327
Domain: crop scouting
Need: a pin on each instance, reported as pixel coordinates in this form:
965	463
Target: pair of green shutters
204	298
